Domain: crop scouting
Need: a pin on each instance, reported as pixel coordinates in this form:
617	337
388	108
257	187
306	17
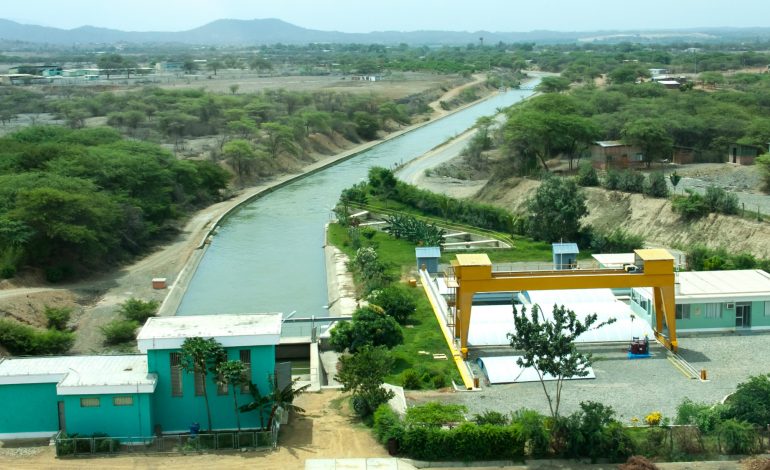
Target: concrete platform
357	464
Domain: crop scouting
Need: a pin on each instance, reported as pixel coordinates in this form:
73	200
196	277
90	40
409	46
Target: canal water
268	256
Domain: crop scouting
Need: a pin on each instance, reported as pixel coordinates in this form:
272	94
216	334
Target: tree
587	176
138	310
189	66
234	88
232	374
363	374
370	326
366	125
241	156
201	356
628	73
279	398
396	301
651	136
556	209
548	346
279	138
751	401
110	63
712	79
553	85
214	65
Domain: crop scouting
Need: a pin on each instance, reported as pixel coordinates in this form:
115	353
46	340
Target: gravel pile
20	451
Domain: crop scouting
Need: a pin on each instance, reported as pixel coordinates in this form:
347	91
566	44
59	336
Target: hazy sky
400	15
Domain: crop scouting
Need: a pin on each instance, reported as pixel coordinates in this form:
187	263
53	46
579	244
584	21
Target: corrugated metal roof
427	252
610	143
565	248
614	259
723	283
210	326
78	371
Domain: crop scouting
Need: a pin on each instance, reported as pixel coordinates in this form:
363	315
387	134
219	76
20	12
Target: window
767	308
176	374
199	381
123	400
682	312
89	403
712	311
246	359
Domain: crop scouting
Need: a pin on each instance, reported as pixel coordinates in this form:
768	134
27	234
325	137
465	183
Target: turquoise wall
115	421
28	408
698	319
177	413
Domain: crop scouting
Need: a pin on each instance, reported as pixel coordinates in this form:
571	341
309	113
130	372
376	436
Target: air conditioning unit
730	305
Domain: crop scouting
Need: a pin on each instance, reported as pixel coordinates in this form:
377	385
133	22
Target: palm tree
201	356
278	398
232	374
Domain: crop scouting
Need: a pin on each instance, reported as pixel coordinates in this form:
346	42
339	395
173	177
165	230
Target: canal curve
267	256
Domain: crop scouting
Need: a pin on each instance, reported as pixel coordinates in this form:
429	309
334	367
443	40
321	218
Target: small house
743	154
615	154
428	257
564	255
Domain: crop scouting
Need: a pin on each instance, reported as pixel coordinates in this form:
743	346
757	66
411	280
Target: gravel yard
634	388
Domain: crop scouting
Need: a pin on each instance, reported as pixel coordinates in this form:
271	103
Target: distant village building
169	67
367	78
657	72
615	154
743	154
38	70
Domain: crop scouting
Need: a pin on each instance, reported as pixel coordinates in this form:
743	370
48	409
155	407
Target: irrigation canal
267	256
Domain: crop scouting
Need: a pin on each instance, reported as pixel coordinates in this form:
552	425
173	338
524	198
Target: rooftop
736	283
427	252
76	375
565	248
231	330
610	143
614	260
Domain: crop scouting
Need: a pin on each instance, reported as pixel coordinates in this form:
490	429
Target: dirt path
326	430
436	105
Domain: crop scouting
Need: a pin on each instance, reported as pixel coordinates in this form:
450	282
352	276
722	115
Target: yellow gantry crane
652	268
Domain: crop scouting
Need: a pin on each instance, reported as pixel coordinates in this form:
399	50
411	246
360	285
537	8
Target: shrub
653	419
434	414
617	241
387	424
655	185
23	340
491	417
369	326
410	380
612	180
396	300
57	317
465	442
587	175
751	401
138	310
736	437
631	181
691	206
719	200
534	431
119	331
637	462
52	342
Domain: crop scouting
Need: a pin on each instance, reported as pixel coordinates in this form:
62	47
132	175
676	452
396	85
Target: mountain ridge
272	30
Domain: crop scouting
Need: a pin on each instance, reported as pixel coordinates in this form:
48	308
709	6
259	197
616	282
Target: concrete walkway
357	464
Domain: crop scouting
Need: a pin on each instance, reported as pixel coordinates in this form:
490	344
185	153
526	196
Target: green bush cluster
133	313
396	300
702	258
695	205
24	340
57	317
369	326
587	176
423	378
368	267
416	231
617	241
75	200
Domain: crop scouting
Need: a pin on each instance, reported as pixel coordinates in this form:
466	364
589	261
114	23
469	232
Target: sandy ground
96	299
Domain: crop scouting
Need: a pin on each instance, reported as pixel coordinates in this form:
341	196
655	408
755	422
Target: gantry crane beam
654	268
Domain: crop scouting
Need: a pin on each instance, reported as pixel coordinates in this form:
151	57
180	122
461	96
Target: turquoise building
714	301
138	395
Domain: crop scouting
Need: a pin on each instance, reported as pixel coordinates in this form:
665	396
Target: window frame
90	402
129	400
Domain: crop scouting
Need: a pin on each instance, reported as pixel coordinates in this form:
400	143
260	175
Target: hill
270	31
